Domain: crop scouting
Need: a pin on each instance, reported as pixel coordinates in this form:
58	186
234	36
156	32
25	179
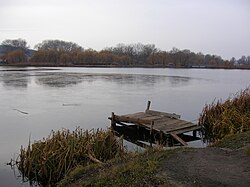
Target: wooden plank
152	118
186	129
175	125
131	120
163	120
170	115
174	122
184	125
135	115
166	121
178	139
180	131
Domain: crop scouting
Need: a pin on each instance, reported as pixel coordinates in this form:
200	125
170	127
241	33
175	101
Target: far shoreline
120	66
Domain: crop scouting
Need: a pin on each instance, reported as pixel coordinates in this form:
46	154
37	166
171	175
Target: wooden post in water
161	138
148	105
113	123
151	133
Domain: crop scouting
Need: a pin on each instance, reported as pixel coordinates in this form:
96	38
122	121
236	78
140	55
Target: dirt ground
211	166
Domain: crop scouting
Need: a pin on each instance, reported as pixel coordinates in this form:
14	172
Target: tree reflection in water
65	79
15	79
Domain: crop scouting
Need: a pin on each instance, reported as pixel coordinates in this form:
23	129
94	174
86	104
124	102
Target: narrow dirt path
210	166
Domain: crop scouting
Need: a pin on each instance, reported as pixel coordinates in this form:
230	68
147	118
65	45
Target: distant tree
244	60
180	57
136	53
90	56
59	45
65	59
161	58
233	60
228	64
15	57
19	43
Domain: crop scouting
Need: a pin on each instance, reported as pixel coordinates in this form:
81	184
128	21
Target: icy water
36	100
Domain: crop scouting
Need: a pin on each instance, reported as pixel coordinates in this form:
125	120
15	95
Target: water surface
34	101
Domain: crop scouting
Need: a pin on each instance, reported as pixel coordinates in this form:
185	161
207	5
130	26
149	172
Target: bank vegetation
224	118
63	53
47	161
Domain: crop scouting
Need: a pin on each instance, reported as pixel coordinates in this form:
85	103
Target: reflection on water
15	79
58	80
176	81
65	79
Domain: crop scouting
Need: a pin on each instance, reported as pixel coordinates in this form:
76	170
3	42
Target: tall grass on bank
232	116
47	161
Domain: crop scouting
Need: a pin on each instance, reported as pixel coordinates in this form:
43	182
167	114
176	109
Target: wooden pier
158	126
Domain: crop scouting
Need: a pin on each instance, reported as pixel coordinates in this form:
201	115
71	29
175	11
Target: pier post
148	105
151	133
113	123
195	133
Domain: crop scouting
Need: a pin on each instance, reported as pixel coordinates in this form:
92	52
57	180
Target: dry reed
47	161
232	116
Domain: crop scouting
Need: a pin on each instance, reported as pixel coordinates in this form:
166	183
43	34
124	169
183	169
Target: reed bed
232	116
47	161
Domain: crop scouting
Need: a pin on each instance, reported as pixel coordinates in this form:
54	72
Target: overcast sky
220	27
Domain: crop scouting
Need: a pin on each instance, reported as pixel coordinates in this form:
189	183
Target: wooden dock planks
157	121
162	121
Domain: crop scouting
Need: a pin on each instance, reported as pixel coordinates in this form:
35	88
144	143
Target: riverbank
224	164
121	66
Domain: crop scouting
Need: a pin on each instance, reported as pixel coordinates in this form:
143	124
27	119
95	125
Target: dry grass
220	119
135	169
47	161
237	141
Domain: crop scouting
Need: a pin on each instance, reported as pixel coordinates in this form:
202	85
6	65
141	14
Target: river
36	100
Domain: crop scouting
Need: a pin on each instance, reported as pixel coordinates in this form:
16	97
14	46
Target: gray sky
220	27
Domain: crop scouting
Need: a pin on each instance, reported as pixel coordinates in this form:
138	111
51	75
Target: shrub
232	116
47	161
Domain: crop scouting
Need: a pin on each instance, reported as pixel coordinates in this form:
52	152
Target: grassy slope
140	169
238	141
241	140
132	170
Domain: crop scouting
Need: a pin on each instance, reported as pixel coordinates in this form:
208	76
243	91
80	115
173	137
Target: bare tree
59	45
19	43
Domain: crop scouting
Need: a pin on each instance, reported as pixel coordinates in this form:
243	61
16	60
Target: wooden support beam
151	132
176	137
